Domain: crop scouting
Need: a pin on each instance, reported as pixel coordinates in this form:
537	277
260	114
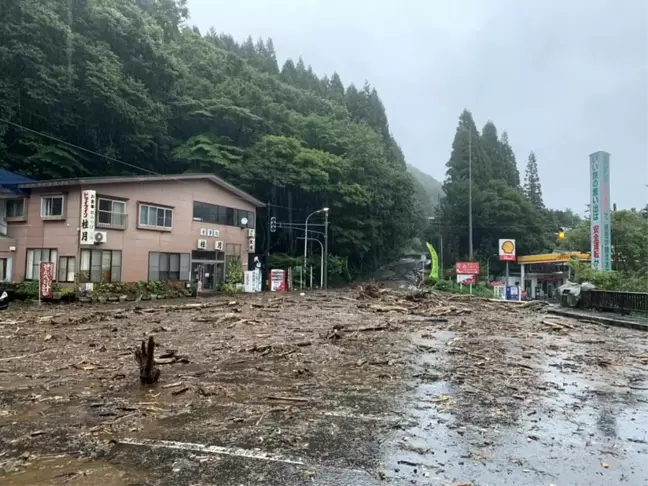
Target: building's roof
86	181
11	178
9	182
554	257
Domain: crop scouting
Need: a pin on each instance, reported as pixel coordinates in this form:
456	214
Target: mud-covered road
344	389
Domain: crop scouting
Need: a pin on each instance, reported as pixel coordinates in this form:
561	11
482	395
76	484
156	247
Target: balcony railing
111	220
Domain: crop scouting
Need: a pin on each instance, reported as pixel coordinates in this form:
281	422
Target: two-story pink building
175	227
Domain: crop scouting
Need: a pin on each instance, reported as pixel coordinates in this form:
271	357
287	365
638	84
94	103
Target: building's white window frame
100	266
21	202
67	267
44	199
112	224
32	267
157	208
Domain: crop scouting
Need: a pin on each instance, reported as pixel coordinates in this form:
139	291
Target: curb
609	321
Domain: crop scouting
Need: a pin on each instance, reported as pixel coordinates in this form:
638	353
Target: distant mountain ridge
430	189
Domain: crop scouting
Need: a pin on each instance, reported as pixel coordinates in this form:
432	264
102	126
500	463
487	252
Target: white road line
211	449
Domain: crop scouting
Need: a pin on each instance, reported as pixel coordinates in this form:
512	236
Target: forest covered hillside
430	191
126	87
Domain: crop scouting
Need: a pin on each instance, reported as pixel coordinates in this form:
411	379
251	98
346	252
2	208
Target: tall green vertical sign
601	226
434	258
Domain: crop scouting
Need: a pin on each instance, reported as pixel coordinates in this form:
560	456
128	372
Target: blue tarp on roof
9	182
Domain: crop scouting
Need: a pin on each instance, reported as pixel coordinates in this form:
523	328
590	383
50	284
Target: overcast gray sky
564	78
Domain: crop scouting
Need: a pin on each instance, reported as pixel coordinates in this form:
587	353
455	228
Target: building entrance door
208	274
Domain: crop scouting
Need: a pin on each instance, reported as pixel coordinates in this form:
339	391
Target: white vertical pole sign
601	226
88	214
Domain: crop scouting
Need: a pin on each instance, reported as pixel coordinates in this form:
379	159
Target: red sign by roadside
46	280
467	268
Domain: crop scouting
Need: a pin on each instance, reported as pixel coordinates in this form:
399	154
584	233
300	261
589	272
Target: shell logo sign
507	250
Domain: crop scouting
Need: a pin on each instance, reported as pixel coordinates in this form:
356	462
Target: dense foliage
629	251
125	87
501	208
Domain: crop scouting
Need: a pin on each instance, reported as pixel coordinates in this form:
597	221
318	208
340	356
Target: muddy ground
347	388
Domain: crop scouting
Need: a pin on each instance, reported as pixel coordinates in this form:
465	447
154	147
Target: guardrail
622	302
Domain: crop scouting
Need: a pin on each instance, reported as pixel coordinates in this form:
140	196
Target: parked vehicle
4	299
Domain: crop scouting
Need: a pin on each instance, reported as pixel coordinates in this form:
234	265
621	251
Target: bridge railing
623	302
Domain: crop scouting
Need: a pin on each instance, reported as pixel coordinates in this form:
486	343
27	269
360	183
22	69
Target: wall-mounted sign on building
88	215
209	232
601	227
506	250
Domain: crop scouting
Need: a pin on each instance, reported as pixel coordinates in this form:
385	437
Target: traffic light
561	235
273	224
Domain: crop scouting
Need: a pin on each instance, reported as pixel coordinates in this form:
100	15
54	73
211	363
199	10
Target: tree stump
149	374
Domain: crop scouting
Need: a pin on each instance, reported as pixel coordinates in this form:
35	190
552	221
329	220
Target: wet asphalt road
585	429
579	417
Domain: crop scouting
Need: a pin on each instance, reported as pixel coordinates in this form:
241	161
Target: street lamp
323	210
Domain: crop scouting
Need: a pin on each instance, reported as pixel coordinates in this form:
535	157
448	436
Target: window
3	270
112	214
169	266
34	258
155	217
15	208
100	266
52	207
211	213
66	269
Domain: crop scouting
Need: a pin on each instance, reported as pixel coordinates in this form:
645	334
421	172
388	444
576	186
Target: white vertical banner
88	215
600	233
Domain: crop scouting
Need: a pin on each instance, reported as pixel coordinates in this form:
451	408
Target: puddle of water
580	430
46	471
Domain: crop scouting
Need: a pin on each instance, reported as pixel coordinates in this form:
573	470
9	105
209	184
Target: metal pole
507	273
267	251
470	223
321	266
39	280
303	269
441	255
326	221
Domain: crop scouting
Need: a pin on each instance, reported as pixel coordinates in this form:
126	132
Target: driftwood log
149	374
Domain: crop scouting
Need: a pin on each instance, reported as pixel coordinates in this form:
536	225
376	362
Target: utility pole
326	222
267	248
470	222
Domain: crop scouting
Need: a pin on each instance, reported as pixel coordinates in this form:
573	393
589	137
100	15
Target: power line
107	157
112	159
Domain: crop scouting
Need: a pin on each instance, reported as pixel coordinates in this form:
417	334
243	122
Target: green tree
532	187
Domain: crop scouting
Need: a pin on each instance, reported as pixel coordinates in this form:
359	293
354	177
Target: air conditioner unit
251	244
218	245
251	233
100	237
202	244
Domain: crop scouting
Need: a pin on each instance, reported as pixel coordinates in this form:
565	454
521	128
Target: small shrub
26	291
443	285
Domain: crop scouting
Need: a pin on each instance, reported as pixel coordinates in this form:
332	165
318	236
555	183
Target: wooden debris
557	325
288	399
173	385
149	374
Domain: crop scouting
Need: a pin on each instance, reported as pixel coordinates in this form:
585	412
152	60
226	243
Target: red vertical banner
46	279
